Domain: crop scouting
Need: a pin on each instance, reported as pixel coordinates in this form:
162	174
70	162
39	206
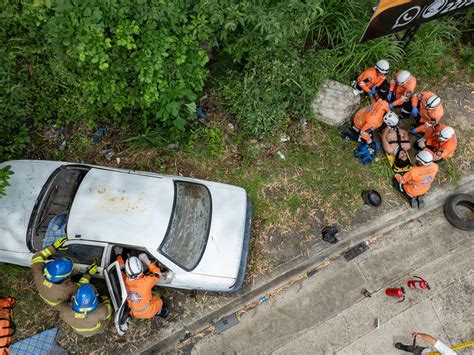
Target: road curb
280	276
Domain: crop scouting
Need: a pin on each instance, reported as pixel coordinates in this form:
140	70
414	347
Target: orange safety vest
442	149
7	328
403	92
417	181
370	118
427	115
370	78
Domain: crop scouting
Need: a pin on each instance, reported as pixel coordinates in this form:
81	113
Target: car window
187	234
83	253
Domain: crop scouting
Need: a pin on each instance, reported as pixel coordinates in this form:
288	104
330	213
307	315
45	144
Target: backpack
7	327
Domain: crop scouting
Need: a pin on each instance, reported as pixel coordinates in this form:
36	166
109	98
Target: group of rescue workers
78	302
434	141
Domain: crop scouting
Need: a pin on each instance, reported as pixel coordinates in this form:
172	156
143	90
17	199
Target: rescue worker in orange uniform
417	181
438	138
373	81
141	301
370	118
52	277
426	107
85	314
401	91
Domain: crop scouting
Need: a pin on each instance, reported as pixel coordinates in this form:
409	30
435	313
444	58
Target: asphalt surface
327	313
198	320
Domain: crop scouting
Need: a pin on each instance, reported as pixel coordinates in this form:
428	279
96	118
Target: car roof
122	207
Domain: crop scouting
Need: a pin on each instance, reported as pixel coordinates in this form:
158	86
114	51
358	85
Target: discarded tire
452	213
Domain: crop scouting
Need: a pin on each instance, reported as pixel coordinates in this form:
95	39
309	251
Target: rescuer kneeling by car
140	298
85	315
52	277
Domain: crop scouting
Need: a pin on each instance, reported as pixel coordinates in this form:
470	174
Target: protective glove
398	177
413	131
373	90
389	96
414	111
390	106
105	299
92	269
144	259
118	250
58	244
421	143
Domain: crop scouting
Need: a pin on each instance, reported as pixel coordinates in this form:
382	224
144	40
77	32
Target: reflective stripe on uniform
97	326
83	281
51	303
38	259
109	310
142	309
46	252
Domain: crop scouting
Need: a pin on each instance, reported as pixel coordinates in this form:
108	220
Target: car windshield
54	203
188	230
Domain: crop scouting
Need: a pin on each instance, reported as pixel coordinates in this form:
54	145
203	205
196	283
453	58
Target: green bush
135	63
4	175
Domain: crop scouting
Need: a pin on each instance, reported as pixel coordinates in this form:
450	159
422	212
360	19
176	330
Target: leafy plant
5	173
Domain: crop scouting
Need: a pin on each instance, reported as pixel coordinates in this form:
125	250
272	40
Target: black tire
452	214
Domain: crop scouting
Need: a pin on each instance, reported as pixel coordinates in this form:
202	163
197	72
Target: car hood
26	183
223	251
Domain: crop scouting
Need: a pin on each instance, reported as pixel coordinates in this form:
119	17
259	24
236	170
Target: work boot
413	202
421	202
402	347
164	308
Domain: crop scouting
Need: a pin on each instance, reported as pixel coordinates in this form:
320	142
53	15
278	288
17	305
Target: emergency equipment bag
7	327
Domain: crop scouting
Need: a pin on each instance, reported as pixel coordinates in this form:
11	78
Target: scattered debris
263	299
356	251
281	155
366	293
231	126
376	323
62	146
172	146
284	138
97	137
108	154
329	234
201	117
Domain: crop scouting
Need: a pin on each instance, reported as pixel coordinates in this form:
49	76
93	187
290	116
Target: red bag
7	327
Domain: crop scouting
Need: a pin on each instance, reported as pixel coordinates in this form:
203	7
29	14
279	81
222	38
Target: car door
85	252
118	295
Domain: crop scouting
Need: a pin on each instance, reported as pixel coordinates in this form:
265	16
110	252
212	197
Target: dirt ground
273	243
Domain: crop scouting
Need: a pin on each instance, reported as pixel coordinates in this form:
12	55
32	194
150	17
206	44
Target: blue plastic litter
41	343
97	137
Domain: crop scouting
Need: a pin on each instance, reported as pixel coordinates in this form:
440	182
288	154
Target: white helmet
382	66
133	267
403	76
432	102
446	133
390	119
424	157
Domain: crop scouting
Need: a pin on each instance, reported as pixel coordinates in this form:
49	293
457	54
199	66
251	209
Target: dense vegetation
142	64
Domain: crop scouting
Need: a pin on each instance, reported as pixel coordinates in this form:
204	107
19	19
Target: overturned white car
197	230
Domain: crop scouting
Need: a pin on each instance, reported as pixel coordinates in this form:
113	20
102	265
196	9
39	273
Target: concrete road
327	313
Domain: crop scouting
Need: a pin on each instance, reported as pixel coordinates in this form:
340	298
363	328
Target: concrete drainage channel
215	322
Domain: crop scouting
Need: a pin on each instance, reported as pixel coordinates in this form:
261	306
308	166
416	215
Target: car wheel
455	216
